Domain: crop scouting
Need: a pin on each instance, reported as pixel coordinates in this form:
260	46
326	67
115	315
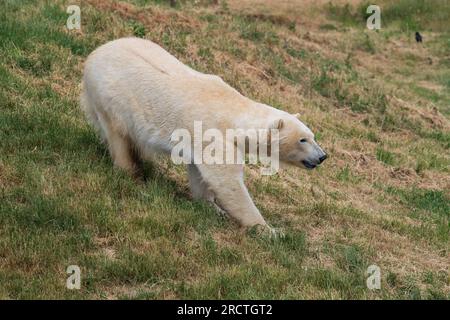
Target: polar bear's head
297	145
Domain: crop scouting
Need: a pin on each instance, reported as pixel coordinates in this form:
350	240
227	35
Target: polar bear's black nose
322	158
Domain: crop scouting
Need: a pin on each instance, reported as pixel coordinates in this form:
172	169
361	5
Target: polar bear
136	94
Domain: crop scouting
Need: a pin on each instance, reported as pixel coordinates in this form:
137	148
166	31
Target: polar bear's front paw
268	231
276	233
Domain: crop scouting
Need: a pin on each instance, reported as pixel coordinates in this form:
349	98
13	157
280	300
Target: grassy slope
373	98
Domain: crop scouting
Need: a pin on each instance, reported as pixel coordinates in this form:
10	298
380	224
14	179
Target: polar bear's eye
303	140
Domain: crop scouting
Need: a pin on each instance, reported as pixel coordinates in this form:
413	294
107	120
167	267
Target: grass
385	156
408	15
381	198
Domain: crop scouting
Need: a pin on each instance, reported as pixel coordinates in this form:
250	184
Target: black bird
418	37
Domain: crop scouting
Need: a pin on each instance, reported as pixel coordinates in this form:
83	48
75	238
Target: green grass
63	203
385	156
434	201
256	31
441	137
429	206
346	175
138	29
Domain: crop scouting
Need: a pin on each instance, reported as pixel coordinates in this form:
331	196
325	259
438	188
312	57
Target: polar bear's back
143	52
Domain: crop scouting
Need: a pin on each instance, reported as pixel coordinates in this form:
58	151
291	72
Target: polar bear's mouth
309	165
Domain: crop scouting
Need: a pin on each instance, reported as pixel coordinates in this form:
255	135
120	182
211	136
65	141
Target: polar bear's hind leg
122	152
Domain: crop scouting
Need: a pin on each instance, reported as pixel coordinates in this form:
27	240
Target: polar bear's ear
297	115
277	124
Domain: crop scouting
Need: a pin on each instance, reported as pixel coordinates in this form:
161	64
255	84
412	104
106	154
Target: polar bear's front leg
200	189
226	182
